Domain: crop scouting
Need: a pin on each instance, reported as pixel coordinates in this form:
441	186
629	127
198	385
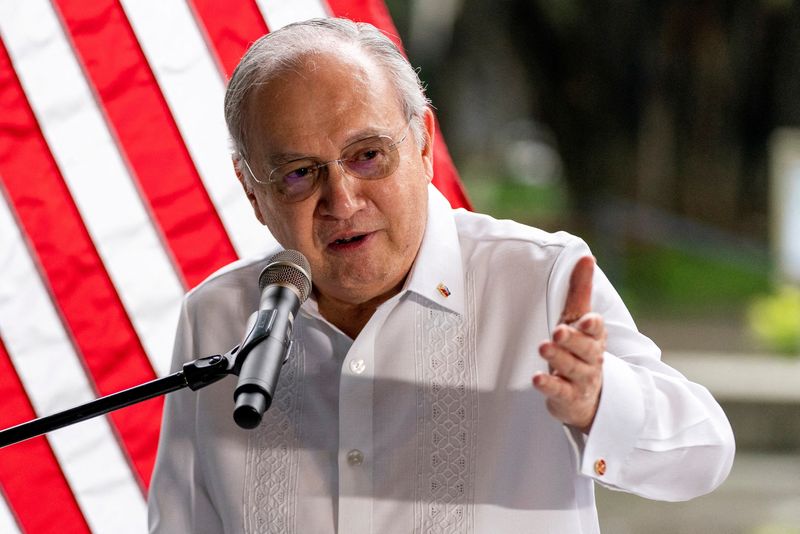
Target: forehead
327	95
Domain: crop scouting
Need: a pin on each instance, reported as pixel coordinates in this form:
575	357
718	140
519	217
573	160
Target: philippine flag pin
443	290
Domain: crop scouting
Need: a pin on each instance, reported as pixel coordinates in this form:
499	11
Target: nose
340	194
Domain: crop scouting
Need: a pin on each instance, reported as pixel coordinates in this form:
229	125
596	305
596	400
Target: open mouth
351	240
347	240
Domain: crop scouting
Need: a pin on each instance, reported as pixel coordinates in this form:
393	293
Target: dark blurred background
665	133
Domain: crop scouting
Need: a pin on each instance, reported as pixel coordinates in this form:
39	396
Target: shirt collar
438	274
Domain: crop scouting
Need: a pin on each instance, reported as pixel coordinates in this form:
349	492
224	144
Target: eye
295	178
297	174
368	154
371	158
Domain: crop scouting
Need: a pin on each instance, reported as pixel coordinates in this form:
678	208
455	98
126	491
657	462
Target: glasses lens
371	159
295	180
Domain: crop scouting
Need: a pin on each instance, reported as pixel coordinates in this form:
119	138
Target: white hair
283	50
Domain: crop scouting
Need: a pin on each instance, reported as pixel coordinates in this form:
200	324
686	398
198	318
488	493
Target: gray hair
282	49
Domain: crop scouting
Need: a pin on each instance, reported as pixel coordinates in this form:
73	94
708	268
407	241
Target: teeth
348	240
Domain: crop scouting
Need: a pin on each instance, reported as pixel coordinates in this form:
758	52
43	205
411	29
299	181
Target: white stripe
96	175
279	13
194	90
7	521
54	379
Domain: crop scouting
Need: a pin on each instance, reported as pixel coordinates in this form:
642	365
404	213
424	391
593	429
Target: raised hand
575	355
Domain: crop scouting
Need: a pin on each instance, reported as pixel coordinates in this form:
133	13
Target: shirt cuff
617	425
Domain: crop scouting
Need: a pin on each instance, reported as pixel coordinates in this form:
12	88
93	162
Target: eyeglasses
372	158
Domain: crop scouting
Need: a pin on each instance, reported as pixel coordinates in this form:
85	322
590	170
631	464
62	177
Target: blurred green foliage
776	528
654	279
659	280
775	319
540	205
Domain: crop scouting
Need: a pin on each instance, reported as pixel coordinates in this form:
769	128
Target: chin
360	289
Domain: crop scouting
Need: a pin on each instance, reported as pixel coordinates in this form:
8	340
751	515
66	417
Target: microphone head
288	267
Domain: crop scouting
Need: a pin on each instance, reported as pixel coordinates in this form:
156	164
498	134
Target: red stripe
83	293
230	28
33	483
148	136
445	176
372	11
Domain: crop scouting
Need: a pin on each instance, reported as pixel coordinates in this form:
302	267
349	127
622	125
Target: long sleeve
656	434
178	501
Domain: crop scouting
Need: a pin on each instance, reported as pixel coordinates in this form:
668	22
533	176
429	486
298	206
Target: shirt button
600	467
357	366
355	457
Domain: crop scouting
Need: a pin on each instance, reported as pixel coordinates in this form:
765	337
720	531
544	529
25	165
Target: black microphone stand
194	375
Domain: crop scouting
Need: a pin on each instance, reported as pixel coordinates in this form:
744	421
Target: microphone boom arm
194	375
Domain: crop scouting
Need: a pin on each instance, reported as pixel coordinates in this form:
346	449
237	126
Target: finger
564	363
568	404
553	387
587	348
579	293
592	324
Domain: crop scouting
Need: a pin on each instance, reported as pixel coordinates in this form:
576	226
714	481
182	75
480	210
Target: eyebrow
286	157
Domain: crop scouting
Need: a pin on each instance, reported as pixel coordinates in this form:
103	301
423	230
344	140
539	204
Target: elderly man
450	373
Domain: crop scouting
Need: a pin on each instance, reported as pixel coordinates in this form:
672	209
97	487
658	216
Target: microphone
285	284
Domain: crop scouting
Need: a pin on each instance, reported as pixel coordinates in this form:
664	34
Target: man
418	395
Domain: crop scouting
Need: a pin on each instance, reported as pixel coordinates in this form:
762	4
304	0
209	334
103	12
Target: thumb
579	295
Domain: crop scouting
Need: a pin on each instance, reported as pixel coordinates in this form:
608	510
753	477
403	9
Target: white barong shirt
427	422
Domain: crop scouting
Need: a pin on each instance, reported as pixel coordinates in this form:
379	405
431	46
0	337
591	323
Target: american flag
116	196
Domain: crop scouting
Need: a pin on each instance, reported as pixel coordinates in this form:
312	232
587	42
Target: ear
248	190
427	149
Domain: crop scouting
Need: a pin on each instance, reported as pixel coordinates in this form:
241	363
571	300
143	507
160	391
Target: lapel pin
443	290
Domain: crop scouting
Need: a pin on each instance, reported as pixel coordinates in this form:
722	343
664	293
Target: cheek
407	208
291	233
287	223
